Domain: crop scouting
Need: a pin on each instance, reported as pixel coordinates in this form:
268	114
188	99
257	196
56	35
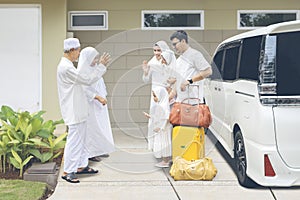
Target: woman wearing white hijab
99	138
158	74
159	116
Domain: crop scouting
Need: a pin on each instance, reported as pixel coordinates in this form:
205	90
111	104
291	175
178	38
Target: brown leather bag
197	115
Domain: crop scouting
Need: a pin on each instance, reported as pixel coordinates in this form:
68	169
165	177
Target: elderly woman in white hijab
99	139
156	74
159	116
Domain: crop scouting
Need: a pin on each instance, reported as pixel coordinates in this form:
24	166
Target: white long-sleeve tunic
72	100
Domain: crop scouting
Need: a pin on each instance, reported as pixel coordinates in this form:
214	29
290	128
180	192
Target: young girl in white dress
159	117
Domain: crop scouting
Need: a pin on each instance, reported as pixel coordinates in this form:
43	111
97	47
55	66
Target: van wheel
241	161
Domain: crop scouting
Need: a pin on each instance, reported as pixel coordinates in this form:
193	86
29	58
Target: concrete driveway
129	173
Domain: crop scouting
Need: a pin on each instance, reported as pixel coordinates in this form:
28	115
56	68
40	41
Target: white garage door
20	57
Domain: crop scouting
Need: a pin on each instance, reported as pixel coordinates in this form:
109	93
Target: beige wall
125	15
219	14
53	34
128	96
129	92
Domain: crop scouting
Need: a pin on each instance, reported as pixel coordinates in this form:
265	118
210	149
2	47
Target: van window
230	63
288	63
217	65
250	58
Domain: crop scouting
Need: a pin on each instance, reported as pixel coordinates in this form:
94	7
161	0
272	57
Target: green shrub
24	136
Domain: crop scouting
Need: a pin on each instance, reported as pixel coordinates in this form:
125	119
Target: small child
159	114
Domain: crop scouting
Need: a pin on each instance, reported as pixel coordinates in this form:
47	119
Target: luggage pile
188	142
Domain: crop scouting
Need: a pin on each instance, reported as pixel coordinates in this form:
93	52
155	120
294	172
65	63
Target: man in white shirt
191	68
74	108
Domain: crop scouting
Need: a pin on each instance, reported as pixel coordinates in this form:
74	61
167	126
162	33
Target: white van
254	97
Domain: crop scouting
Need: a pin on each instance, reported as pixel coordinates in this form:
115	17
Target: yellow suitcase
188	142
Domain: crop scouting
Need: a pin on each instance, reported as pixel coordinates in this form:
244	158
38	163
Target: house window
250	19
87	20
173	20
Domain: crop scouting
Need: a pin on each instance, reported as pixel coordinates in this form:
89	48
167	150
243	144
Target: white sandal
162	164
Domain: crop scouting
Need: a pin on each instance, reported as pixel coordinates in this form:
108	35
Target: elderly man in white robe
74	108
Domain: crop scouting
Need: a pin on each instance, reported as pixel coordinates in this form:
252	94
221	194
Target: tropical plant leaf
2	116
17	135
5	125
58	122
56	155
36	153
39	142
46	156
10	135
7	111
28	143
14	162
49	126
60	145
14	142
44	133
38	114
36	124
60	138
5	139
50	141
13	120
27	160
16	156
27	132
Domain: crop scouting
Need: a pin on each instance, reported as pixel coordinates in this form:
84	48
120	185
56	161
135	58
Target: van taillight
269	171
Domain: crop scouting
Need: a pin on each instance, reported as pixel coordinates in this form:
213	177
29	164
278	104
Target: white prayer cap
71	43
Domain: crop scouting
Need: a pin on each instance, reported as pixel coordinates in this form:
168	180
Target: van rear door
287	129
287	109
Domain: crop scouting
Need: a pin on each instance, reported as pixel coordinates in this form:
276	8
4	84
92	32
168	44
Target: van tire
240	160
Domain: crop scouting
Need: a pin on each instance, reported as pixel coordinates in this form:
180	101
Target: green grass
21	190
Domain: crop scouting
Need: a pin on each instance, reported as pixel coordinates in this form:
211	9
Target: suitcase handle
187	99
191	98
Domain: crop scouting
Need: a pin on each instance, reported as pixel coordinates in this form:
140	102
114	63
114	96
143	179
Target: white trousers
75	153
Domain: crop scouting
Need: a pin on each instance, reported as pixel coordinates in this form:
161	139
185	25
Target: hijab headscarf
86	58
162	107
162	45
169	56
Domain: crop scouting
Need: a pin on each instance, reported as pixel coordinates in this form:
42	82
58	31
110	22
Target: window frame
87	13
239	12
228	46
242	68
201	12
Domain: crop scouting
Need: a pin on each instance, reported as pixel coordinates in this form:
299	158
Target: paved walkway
129	173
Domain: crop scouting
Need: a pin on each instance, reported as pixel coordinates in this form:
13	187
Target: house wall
53	34
128	96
